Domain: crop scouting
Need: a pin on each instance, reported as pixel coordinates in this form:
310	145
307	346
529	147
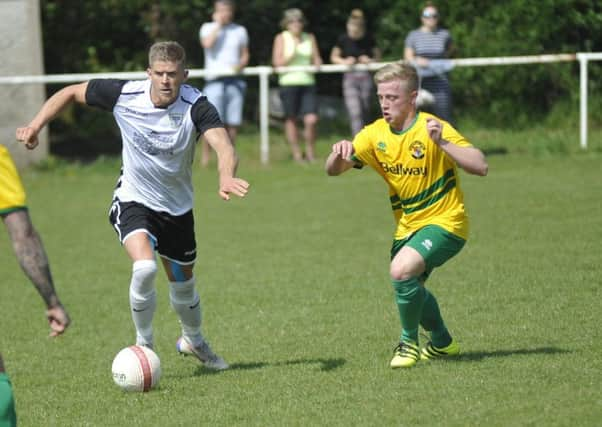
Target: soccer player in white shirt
160	120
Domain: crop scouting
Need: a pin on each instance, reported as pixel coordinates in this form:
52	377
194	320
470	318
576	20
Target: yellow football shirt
12	194
423	181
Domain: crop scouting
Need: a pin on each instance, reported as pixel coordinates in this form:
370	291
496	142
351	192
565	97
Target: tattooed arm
34	262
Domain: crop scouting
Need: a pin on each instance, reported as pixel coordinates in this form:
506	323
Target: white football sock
143	299
186	302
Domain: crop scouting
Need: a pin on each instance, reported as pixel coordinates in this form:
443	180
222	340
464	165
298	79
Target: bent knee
405	270
144	270
401	272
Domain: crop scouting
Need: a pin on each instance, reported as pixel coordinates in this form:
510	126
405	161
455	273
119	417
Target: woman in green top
294	47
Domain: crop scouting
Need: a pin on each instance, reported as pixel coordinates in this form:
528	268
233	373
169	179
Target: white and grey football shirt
158	143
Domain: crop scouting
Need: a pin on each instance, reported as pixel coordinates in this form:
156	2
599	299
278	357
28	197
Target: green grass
296	297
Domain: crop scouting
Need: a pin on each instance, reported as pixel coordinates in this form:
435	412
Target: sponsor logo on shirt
154	143
400	169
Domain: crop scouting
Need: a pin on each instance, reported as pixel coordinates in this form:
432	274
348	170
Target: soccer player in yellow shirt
417	155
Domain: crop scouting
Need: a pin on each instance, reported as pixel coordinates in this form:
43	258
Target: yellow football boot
406	354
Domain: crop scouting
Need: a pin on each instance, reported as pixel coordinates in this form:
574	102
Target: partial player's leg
177	247
8	416
136	229
406	267
444	246
186	302
143	294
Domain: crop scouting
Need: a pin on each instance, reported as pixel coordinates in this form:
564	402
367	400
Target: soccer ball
136	368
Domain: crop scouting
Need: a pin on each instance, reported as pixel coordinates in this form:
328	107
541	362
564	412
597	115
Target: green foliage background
112	35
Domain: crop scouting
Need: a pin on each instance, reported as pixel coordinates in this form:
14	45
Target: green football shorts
8	418
435	244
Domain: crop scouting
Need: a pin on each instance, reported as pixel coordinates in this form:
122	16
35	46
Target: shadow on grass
472	356
325	365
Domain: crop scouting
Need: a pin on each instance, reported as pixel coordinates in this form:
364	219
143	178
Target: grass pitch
296	297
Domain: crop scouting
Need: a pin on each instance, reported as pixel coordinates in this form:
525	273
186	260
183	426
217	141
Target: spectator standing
293	47
226	50
425	47
356	47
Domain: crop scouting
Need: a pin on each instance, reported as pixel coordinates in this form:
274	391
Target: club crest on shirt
417	149
175	119
381	146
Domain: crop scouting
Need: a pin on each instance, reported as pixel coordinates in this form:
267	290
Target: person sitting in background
226	47
293	47
356	47
425	47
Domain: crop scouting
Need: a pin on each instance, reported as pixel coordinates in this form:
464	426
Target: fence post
583	99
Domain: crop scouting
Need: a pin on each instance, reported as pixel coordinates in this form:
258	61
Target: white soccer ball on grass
136	368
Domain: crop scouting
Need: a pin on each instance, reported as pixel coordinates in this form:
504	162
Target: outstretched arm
227	162
51	108
339	159
471	159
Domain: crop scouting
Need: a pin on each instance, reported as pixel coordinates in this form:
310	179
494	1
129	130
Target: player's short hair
400	70
168	51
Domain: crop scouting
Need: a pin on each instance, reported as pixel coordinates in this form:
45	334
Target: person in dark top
353	47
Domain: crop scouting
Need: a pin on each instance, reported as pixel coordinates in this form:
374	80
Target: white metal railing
263	73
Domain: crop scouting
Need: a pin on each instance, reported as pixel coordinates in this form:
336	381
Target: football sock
433	322
186	302
409	296
143	299
8	415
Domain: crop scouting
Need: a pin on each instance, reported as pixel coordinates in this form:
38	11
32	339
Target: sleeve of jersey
205	116
104	93
362	147
452	135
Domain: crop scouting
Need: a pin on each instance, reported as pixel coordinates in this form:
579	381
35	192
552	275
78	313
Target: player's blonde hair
168	51
400	70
